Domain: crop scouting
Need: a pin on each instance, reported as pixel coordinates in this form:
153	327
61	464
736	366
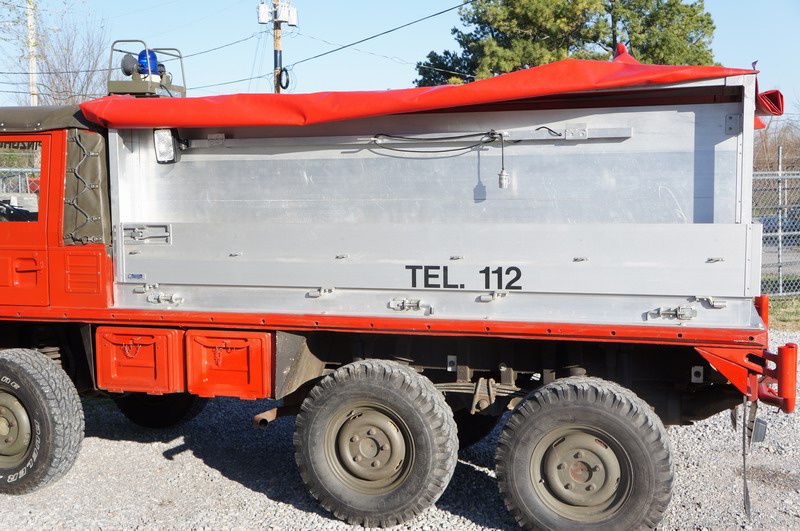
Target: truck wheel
375	443
583	453
160	411
41	421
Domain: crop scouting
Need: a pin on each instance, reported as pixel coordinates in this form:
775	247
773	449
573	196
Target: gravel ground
217	472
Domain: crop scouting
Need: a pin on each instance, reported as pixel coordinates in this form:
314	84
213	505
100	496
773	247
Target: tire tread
616	398
66	411
429	401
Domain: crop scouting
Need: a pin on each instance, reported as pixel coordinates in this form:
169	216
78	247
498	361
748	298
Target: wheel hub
581	470
15	430
371	446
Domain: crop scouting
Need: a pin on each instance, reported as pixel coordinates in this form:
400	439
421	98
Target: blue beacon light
148	62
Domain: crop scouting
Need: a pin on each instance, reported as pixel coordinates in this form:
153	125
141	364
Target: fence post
780	220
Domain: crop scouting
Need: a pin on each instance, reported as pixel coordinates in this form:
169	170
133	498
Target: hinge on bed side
682	313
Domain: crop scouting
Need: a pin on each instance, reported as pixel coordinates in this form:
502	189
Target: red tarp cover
242	110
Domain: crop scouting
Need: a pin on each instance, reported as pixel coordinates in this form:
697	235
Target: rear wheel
160	411
41	421
583	453
375	443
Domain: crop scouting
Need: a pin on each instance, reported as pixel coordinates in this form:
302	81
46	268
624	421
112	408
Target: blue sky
744	33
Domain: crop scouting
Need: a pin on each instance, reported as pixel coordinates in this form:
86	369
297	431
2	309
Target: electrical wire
395	59
483	138
264	76
220	47
381	33
56	72
238	41
342	47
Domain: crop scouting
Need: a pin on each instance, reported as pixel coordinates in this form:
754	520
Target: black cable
163	86
256	34
435	138
554	133
423	151
283	79
486	138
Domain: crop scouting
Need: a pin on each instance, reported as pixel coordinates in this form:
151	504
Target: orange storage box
229	363
149	360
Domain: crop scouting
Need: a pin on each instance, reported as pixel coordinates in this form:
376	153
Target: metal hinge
716	304
492	296
145	288
147	234
400	305
682	313
319	292
164	298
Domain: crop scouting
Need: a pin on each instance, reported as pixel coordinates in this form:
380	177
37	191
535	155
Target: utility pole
32	81
276	32
281	12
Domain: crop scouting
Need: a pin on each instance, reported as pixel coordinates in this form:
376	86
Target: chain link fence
20	163
776	204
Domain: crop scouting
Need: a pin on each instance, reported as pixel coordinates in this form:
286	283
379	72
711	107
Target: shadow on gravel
222	437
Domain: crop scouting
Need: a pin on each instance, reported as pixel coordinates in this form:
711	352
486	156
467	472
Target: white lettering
9	381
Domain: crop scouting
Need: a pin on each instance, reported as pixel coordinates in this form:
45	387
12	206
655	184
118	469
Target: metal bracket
578	132
733	124
400	305
682	313
492	296
320	292
147	234
716	304
484	395
145	288
164	298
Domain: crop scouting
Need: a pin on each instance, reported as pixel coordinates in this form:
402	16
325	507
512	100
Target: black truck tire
375	442
41	421
160	411
583	453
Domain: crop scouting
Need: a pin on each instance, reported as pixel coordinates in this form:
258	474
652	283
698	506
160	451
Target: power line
264	76
344	46
254	35
393	59
381	33
57	72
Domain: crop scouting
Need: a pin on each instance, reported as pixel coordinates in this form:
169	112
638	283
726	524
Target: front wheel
583	453
375	443
41	421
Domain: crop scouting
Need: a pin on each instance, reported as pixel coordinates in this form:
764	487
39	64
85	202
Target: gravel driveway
217	472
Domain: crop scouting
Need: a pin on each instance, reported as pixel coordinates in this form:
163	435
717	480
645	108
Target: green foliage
509	35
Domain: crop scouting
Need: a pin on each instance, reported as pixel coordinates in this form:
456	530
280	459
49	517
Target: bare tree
783	134
70	53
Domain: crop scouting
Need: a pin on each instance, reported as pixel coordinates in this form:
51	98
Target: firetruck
570	244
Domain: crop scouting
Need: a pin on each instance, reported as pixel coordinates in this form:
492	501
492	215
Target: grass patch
784	313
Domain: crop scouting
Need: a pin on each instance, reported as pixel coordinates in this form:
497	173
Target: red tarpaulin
242	110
